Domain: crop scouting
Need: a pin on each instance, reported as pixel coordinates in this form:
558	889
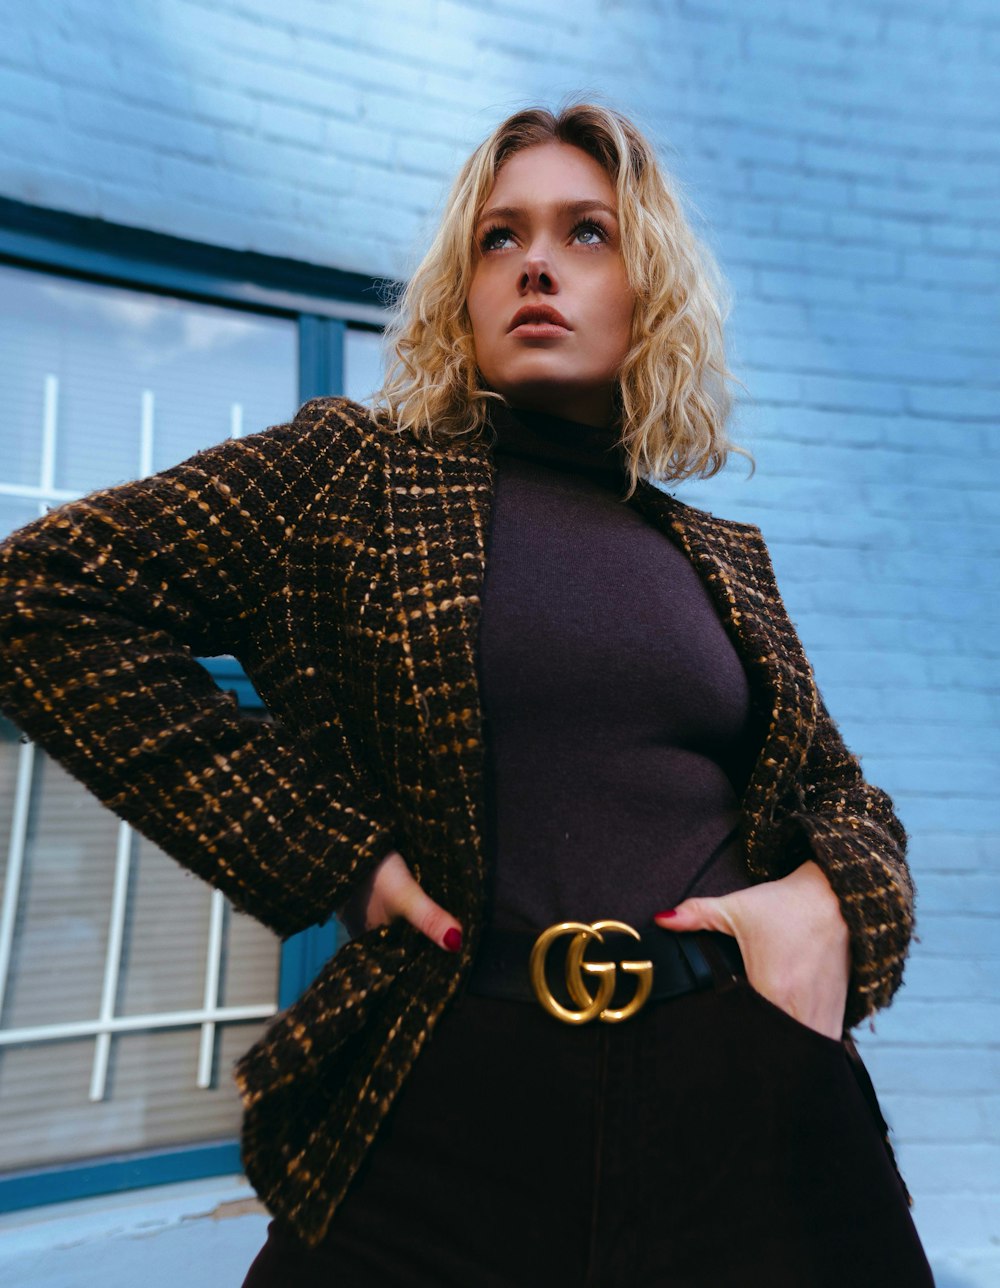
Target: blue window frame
329	306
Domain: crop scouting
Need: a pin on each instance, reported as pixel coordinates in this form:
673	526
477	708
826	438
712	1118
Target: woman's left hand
793	938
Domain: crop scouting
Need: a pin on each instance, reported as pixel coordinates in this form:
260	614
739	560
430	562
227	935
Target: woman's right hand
392	891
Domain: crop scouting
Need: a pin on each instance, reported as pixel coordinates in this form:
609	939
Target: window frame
323	301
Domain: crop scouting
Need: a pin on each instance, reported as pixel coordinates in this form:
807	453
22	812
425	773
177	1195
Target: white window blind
127	986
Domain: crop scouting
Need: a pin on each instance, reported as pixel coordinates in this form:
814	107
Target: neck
596	410
559	442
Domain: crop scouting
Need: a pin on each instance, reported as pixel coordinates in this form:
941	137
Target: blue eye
485	242
595	225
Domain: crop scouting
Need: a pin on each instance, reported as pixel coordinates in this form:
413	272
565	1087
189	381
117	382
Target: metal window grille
106	1022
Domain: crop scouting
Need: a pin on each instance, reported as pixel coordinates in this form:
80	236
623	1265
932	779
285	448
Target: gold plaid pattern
342	563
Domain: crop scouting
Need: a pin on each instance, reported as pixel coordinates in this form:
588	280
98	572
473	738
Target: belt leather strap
680	963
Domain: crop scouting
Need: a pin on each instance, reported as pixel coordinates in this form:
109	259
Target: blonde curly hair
672	398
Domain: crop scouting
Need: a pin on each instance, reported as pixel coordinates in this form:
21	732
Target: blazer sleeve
851	830
105	603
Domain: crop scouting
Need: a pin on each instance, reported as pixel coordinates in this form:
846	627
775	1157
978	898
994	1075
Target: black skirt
709	1141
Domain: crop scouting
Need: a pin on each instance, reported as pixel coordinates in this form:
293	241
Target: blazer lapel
734	563
440	506
442	511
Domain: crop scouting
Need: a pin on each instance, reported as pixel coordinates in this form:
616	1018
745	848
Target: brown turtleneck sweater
617	711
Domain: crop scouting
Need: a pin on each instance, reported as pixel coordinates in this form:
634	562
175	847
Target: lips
538	313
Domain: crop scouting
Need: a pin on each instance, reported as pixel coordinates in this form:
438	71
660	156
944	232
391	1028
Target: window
127	986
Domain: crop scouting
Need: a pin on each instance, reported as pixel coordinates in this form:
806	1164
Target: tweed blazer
342	563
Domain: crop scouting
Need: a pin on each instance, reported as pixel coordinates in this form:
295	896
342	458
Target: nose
537	273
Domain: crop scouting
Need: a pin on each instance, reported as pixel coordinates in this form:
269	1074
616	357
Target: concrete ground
202	1234
205	1234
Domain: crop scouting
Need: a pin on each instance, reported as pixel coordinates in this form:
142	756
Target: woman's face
548	237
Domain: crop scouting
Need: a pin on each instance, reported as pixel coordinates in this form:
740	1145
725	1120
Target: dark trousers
709	1141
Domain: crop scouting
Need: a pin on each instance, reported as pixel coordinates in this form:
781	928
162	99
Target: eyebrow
561	208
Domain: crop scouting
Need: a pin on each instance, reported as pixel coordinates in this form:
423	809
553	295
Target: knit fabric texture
617	730
342	562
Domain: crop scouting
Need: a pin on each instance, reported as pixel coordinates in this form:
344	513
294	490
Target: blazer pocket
334	1006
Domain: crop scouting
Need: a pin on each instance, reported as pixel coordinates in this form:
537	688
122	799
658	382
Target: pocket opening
795	1025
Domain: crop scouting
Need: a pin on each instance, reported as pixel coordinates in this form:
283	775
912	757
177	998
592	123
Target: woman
617	888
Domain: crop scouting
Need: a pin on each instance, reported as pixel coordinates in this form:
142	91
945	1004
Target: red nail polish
670	912
453	940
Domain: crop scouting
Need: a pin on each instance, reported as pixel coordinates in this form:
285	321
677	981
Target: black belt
667	963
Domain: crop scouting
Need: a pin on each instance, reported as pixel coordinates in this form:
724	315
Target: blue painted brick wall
843	159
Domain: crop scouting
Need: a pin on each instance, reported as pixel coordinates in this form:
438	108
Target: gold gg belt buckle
596	1006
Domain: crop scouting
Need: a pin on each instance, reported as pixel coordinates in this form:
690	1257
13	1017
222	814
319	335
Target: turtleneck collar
556	441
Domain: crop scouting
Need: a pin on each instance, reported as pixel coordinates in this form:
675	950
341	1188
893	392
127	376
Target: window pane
57	962
15	512
363	372
100	385
157	974
150	1101
10	749
61	963
130	382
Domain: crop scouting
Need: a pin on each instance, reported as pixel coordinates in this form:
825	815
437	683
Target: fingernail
670	912
453	940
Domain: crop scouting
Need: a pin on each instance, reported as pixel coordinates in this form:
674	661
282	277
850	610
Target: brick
737	142
48	186
937	812
102	116
951	852
868	395
29	93
906	1069
17	49
943	1168
959	775
770	47
948	400
302	127
200	26
79	59
30	137
803	222
324	86
943	978
774	284
439	45
386	108
989	1111
958	935
168	90
111	159
930	1119
313	170
913	199
845	159
746	216
357	68
952	270
811	190
353	140
212	103
419	155
957	1231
